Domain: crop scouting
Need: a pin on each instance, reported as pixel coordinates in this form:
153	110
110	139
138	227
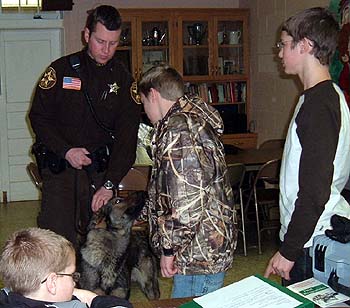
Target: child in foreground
37	266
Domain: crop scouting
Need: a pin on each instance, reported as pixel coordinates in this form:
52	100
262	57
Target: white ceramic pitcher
234	36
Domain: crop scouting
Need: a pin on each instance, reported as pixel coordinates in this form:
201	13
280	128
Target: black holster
45	158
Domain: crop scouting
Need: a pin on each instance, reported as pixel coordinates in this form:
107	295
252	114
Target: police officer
85	120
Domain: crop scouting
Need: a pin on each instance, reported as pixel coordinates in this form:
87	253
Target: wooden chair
266	197
136	179
236	174
34	175
272	144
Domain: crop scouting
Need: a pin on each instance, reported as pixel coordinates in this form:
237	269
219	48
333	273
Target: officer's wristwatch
109	185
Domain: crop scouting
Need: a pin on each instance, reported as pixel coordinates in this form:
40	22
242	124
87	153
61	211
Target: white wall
274	95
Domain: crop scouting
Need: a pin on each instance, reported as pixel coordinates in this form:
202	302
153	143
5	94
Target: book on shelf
226	92
228	98
221	93
210	99
232	87
203	91
213	91
244	92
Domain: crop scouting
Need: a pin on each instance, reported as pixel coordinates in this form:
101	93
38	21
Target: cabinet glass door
155	44
230	48
124	51
195	48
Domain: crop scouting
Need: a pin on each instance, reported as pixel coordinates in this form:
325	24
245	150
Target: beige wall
74	20
273	95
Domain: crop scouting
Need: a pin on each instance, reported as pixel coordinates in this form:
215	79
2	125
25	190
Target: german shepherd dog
114	256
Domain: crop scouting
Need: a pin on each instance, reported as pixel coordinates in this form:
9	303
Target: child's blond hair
30	255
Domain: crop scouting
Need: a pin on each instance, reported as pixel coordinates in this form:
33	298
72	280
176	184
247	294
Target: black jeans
301	270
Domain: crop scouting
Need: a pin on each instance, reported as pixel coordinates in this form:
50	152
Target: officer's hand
77	157
101	197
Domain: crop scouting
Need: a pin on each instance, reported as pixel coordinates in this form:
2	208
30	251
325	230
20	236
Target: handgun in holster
45	158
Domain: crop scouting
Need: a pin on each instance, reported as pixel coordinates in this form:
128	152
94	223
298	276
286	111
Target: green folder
305	302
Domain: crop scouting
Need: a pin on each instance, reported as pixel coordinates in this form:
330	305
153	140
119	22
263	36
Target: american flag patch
71	83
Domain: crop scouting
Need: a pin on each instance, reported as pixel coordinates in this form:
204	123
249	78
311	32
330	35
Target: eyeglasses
75	276
281	44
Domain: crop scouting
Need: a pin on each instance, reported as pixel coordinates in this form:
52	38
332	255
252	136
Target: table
254	158
162	303
176	302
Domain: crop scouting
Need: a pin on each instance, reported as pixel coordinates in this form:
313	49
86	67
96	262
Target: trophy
196	32
156	35
124	37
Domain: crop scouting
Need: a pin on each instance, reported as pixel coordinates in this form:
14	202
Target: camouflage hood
194	105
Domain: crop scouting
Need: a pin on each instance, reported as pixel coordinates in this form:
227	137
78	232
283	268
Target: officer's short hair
319	26
30	255
105	14
165	79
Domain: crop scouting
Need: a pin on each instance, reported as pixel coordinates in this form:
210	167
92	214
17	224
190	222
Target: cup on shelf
220	37
233	37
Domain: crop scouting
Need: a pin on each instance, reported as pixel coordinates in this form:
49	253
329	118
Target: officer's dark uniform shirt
61	118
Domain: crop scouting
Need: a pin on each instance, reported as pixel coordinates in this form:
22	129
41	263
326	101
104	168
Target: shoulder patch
48	79
134	93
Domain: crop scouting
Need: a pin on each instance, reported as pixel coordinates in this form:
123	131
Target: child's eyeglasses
281	44
75	276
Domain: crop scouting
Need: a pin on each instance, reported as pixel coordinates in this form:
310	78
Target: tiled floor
17	215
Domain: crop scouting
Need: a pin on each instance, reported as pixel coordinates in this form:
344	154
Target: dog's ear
136	202
95	219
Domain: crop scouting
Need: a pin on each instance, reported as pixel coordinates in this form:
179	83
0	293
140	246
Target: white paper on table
250	292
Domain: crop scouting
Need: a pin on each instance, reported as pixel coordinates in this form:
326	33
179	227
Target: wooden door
24	55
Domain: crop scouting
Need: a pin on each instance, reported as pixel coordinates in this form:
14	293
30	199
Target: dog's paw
121	292
99	291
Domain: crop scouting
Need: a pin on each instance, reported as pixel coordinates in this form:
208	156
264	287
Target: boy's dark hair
165	79
106	15
319	26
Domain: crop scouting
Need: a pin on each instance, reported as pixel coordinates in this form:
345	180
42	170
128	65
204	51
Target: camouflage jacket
190	204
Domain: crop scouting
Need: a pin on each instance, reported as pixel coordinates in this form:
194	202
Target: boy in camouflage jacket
190	206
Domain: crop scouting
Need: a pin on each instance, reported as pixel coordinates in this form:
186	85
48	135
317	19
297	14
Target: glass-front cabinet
213	46
195	47
230	53
209	47
145	39
155	46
